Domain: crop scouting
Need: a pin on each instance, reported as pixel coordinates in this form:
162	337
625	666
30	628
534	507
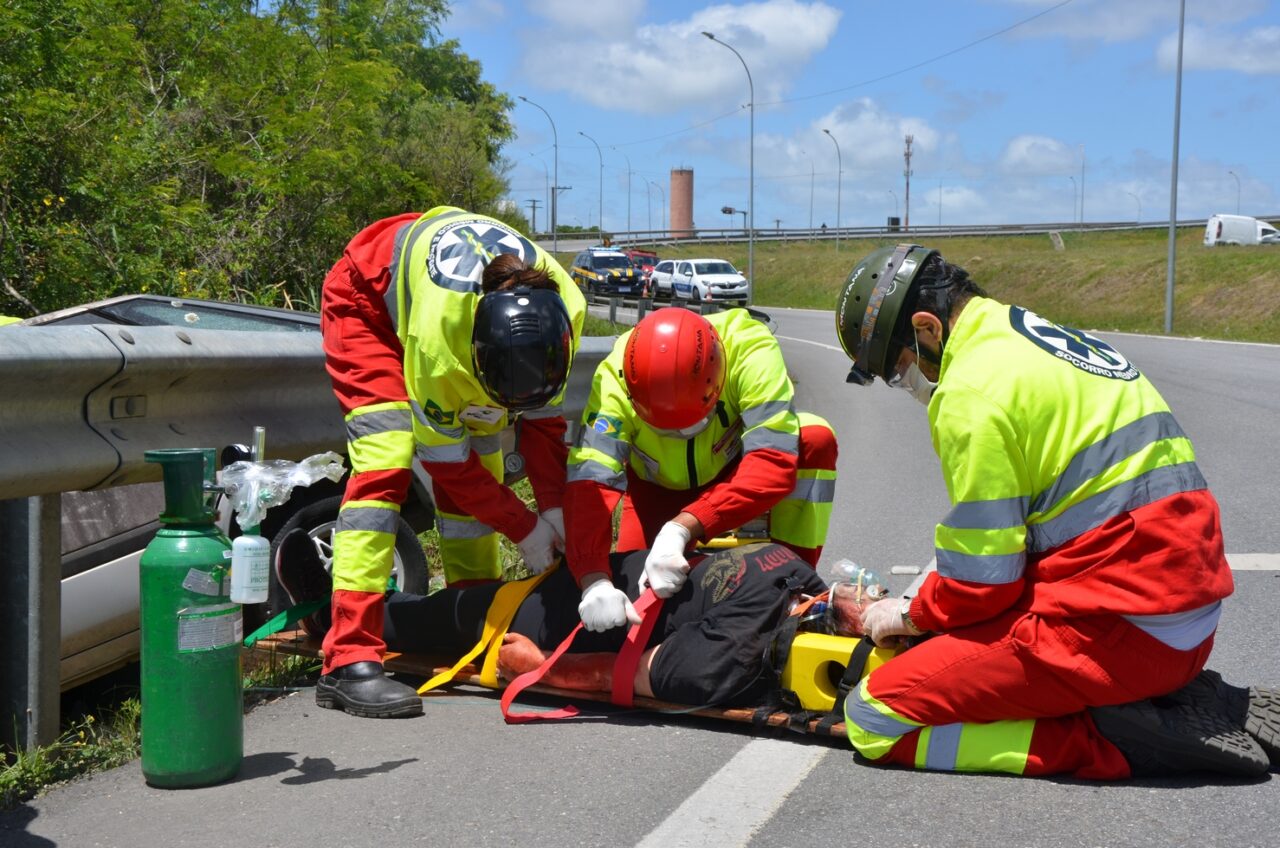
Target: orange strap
624	668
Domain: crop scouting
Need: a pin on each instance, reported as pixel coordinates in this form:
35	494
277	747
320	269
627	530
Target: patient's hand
517	655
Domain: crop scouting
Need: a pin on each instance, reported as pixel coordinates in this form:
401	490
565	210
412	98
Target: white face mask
914	381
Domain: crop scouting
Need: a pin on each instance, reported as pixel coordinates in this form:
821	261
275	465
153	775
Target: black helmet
870	304
521	346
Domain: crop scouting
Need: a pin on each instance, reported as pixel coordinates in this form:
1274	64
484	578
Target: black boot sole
1262	721
1185	738
1255	710
331	698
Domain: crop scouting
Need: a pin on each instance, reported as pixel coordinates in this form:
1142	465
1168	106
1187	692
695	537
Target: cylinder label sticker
209	628
202	583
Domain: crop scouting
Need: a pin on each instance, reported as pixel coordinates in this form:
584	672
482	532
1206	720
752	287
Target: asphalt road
460	777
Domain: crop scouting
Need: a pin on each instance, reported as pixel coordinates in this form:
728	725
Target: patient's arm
580	672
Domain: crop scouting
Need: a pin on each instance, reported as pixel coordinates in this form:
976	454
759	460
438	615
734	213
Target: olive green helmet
869	305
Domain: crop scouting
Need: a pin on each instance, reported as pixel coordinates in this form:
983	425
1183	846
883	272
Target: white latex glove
538	548
666	569
605	606
555	517
882	621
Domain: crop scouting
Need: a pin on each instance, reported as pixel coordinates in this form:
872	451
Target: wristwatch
905	611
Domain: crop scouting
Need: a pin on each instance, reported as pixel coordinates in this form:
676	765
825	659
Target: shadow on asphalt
310	770
13	826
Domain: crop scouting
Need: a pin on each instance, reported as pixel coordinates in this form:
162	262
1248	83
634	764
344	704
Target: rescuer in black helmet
440	330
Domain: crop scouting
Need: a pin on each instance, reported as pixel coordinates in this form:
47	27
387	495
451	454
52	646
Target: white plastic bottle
250	568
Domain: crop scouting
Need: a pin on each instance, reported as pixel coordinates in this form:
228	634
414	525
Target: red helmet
674	368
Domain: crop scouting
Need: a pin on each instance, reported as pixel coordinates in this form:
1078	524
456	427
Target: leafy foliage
225	149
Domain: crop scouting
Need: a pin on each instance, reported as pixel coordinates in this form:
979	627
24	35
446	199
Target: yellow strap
496	621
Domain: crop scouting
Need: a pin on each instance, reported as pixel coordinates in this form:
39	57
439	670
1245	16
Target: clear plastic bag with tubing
254	487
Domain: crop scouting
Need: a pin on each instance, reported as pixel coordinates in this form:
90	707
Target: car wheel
695	296
320	520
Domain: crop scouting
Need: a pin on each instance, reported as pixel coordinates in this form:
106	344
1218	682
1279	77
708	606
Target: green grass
113	737
1101	280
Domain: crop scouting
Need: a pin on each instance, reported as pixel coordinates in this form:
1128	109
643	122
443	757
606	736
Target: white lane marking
720	813
1254	562
1181	338
809	341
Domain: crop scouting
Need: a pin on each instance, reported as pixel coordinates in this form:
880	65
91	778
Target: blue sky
1058	105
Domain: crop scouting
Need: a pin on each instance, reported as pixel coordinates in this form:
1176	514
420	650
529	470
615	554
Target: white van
1237	229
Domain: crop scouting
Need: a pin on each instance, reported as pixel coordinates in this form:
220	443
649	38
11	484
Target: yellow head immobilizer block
816	663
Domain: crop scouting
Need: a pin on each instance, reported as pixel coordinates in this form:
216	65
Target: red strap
648	606
624	668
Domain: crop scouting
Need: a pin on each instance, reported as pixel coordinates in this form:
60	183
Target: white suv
715	280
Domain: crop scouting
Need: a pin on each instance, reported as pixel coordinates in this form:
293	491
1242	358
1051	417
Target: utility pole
777	223
906	172
533	213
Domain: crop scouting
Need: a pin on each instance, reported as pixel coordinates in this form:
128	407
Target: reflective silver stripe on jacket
814	490
1127	496
383	421
999	514
393	273
597	472
944	747
444	453
607	445
453	528
762	438
990	568
1181	631
485	445
763	412
376	518
556	411
1106	452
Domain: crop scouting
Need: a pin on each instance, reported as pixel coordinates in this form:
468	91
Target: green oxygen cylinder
192	690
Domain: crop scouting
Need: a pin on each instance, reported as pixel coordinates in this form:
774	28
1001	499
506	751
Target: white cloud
871	138
1254	52
672	66
474	14
595	16
1037	155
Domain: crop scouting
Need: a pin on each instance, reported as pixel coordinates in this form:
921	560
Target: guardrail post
613	310
30	611
643	305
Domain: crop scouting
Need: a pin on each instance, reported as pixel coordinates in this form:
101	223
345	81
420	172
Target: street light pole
628	158
600	220
812	174
663	192
1139	199
1173	177
1082	186
1233	173
1075	197
648	203
555	188
839	182
751	178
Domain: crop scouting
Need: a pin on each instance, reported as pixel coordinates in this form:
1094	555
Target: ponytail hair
507	271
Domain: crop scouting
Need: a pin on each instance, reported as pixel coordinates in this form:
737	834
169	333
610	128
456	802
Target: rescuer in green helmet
1081	565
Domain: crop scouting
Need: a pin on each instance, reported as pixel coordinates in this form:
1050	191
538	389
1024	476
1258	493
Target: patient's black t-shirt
713	631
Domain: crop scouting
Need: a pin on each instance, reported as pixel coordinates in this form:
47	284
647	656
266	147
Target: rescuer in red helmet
693	419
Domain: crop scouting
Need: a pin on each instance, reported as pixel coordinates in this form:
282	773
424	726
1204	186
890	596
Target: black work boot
1177	738
1255	709
362	689
304	578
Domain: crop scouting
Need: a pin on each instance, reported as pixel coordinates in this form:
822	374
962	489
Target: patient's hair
506	271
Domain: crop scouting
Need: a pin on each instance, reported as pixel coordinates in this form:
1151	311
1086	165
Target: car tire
320	519
695	297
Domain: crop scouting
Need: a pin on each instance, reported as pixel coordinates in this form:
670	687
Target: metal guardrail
82	404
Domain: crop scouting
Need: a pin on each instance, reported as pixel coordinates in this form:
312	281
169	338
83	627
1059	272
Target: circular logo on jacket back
460	250
1088	353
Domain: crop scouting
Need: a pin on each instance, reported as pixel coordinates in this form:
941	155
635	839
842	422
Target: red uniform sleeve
944	603
591	506
475	491
546	457
762	478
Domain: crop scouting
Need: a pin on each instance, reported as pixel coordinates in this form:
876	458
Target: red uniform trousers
1021	666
